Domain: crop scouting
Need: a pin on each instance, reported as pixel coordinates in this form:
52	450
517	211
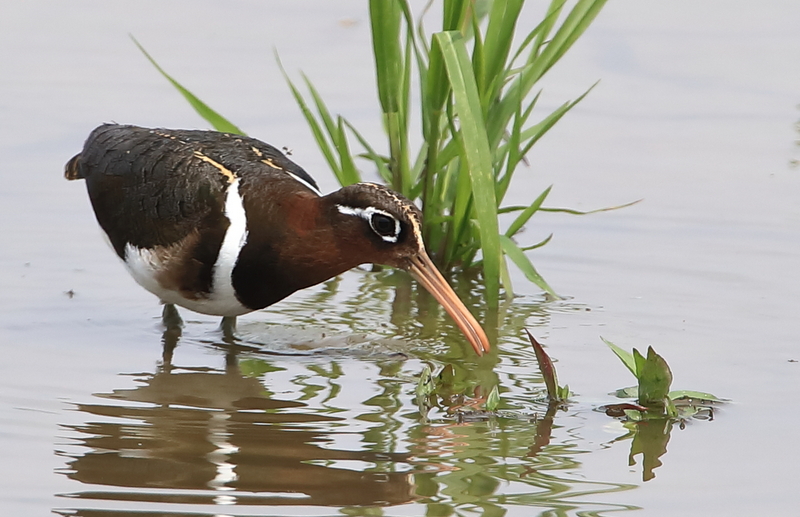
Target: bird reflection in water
205	436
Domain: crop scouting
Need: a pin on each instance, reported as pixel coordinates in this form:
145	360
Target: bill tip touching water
223	224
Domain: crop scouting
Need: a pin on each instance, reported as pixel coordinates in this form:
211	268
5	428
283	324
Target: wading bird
224	224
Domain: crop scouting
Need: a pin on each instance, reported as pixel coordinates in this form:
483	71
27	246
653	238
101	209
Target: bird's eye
384	225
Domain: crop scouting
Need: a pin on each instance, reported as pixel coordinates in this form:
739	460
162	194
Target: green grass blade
553	11
316	128
624	356
512	149
476	153
538	244
538	34
521	260
385	19
533	134
505	279
216	120
350	173
479	63
526	214
322	108
392	67
455	13
587	212
499	36
378	160
576	22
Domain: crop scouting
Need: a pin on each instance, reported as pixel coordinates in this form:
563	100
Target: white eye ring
367	213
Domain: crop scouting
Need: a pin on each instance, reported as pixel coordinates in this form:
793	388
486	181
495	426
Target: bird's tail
72	171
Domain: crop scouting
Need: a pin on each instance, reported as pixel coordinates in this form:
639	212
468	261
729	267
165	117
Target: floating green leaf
696	395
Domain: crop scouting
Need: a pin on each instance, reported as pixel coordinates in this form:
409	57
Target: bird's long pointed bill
425	272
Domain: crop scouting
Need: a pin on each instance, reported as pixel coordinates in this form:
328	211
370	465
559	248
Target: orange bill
425	272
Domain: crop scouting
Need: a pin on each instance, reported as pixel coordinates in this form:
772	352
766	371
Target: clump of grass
477	99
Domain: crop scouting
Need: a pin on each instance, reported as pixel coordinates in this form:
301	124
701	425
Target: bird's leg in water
170	316
228	328
172	333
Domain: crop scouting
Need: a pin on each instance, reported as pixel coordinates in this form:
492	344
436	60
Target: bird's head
382	227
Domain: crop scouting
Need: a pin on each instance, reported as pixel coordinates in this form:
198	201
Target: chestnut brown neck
293	243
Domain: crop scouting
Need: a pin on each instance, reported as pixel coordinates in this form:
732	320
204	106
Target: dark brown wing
153	187
147	188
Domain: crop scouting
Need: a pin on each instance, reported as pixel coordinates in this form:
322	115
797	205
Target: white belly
145	266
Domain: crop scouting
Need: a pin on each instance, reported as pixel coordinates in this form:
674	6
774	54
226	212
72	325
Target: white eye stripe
367	213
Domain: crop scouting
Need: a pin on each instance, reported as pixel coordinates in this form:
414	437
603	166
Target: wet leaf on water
631	392
698	396
618	410
634	415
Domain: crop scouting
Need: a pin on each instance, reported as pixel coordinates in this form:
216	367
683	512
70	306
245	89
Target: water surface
314	412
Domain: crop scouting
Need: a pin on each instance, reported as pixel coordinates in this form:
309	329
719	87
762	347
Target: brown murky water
314	412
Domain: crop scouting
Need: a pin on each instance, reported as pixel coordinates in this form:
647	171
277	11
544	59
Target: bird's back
152	187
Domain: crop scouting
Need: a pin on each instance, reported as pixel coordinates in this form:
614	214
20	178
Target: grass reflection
315	408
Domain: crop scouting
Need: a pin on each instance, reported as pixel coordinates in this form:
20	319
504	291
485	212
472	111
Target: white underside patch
144	266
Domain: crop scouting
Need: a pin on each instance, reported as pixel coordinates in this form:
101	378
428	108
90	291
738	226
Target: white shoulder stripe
235	238
304	182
